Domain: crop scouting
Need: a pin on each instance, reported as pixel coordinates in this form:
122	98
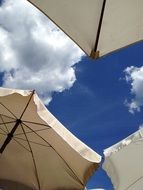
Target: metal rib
34	162
99	26
46	125
75	176
4	123
27	103
31	131
8	110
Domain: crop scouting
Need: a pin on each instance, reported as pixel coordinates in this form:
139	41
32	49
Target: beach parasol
123	162
36	151
97	26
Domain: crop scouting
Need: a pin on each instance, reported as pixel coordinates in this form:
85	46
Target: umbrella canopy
123	163
97	26
36	151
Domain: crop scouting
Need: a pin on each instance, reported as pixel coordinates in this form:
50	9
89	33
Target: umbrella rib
8	110
76	177
31	131
32	142
99	26
34	162
37	123
5	126
7	116
21	145
3	133
7	122
27	103
4	123
36	134
134	182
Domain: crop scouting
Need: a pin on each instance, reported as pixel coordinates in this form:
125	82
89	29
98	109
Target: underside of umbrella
97	26
36	151
123	163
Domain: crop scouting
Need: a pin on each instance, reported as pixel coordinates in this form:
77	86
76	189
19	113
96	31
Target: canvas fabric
42	154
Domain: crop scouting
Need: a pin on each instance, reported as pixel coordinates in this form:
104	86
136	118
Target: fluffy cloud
34	54
134	76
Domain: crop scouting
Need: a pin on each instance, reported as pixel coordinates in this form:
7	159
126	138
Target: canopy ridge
75	176
95	53
34	162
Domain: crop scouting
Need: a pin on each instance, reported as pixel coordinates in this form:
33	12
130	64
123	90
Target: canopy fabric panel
121	24
123	162
77	18
41	153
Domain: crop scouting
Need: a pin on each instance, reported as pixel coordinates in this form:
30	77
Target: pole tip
94	54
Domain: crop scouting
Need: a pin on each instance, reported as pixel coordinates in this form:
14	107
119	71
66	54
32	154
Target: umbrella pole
10	136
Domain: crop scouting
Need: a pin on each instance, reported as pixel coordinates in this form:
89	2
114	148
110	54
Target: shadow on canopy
12	185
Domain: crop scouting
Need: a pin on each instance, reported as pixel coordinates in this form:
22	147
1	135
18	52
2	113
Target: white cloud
141	126
34	54
134	76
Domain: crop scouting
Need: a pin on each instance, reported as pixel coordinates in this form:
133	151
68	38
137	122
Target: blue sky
87	96
0	2
93	109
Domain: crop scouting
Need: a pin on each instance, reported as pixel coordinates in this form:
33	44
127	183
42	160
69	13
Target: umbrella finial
94	54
